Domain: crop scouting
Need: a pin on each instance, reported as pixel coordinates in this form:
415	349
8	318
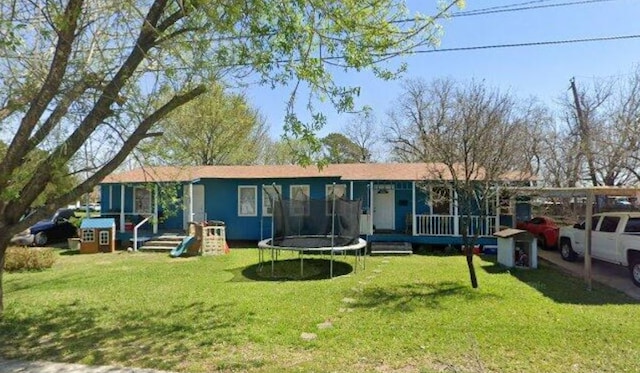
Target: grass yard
401	314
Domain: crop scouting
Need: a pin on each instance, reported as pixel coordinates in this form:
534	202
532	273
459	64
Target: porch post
413	208
498	209
351	190
514	211
122	186
110	197
190	202
155	209
370	207
456	218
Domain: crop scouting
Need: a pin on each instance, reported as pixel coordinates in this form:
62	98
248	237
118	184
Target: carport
590	194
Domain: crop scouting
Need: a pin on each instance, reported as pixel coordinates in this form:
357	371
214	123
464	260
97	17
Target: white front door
384	207
198	203
193	211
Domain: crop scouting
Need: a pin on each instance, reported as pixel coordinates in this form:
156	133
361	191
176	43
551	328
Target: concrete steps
390	248
162	243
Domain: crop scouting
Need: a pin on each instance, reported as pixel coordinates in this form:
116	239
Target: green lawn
400	314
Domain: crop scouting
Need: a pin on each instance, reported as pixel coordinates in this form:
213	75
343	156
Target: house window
299	195
141	201
337	191
88	235
270	195
441	201
247	200
104	237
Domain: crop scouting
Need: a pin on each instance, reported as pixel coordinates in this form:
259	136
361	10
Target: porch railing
450	225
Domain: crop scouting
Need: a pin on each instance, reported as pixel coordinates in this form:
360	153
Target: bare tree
606	129
474	137
362	130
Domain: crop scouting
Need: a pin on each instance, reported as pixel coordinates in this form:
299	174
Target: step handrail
135	232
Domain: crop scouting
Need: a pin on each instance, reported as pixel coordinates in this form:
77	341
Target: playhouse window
247	200
88	235
299	195
334	190
141	201
104	238
270	195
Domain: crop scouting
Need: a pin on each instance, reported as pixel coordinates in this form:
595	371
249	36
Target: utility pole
585	134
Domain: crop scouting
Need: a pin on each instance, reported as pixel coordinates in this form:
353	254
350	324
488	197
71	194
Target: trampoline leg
301	264
272	263
355	263
331	266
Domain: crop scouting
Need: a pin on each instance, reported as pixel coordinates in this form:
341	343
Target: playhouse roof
97	223
347	172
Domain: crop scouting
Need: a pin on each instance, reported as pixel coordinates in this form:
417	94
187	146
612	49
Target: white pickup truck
615	238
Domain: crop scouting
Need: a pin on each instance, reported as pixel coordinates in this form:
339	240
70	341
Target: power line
530	44
512	8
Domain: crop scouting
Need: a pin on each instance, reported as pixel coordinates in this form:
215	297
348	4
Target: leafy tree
75	71
337	148
285	152
474	140
216	128
61	179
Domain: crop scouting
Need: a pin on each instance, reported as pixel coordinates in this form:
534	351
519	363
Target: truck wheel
40	239
634	269
566	251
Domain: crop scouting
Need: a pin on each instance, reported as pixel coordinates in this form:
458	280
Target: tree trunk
3	250
472	271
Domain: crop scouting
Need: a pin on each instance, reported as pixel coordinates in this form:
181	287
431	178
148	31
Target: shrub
28	259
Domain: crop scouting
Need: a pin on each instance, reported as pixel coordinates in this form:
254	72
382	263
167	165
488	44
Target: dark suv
57	228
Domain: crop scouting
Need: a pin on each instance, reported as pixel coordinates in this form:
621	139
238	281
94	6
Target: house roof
97	223
347	172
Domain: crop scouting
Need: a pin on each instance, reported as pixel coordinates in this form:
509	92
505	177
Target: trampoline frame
356	248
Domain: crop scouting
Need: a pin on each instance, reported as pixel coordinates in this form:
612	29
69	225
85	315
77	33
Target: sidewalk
18	366
612	275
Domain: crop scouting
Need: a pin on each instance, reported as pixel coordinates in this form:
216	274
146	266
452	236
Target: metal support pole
587	231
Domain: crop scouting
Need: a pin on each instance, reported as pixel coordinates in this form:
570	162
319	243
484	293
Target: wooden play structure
210	238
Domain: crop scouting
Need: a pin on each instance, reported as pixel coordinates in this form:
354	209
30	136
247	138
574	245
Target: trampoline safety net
316	223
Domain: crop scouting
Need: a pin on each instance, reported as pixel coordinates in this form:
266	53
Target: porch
426	225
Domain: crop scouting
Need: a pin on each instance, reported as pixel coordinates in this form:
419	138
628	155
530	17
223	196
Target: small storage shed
97	235
517	248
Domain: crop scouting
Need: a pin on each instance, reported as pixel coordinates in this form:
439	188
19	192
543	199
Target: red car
544	228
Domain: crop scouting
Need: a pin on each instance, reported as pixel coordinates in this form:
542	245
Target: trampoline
327	226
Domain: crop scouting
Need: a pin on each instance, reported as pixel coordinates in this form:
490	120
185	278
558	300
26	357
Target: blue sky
540	71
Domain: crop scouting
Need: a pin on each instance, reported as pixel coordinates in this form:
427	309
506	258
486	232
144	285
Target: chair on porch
408	224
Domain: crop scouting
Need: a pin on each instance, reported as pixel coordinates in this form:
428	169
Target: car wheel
40	239
634	269
542	243
566	251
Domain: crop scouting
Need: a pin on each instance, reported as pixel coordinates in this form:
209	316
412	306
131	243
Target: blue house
399	203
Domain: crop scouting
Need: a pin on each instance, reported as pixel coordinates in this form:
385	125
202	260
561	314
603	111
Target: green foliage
217	128
28	259
61	181
339	149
